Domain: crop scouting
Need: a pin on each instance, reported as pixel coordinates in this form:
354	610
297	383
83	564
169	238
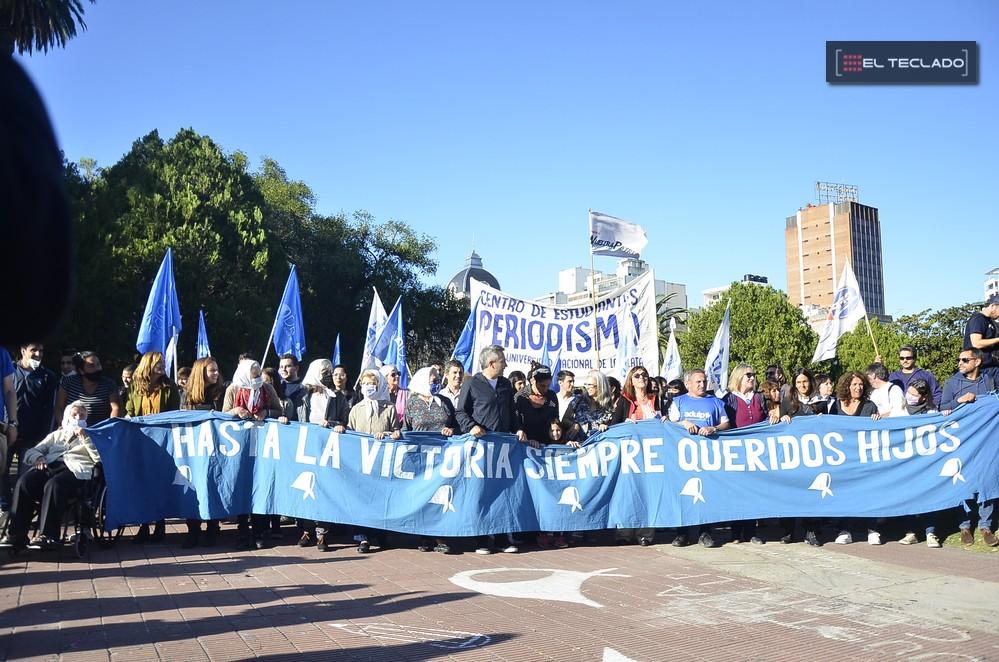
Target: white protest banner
526	329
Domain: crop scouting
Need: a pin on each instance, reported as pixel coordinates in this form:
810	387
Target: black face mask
94	376
327	381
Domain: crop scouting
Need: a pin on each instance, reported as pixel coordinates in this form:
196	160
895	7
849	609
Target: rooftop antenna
832	193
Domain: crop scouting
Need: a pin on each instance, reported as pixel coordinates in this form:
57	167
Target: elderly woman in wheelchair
58	469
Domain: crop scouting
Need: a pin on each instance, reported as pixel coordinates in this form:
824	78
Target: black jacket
480	404
36	392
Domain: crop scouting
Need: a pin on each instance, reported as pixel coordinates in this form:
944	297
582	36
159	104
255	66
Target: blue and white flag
336	351
846	310
203	350
464	349
207	465
390	345
716	365
161	324
672	368
628	354
376	322
614	237
289	329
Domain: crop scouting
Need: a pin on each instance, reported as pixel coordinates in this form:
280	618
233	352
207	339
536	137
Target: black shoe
190	540
142	536
645	542
363	547
44	543
756	540
812	539
680	540
159	532
706	540
306	540
442	548
321	544
425	545
786	539
209	538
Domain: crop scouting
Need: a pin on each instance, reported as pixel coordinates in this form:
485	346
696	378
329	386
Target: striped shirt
98	403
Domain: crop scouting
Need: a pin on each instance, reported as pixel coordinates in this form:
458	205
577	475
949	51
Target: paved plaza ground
592	602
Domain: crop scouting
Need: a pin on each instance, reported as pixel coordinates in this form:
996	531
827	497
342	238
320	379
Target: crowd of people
54	462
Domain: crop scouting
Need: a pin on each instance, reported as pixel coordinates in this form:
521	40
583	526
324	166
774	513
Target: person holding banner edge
637	403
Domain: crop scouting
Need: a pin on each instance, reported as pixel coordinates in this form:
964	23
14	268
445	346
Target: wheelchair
84	520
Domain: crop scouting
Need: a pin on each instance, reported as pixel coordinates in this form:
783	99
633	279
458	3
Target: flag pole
877	352
268	348
593	298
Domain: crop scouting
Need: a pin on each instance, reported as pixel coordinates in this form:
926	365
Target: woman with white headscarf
58	468
428	412
425	410
249	397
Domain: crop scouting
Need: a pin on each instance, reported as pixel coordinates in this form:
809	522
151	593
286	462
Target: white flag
627	347
615	238
716	365
376	322
671	364
846	310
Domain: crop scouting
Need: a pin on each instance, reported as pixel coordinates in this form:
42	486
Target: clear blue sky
707	123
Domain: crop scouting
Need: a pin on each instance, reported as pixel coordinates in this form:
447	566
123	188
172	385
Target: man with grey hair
485	405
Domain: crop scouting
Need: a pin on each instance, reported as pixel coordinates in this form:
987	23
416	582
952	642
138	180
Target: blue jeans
984	514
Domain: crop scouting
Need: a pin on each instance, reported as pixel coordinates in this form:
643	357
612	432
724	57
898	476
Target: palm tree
31	25
664	313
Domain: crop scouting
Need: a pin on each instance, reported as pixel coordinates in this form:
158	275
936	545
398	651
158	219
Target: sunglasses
639	376
966	359
590	385
393	374
906	358
750	374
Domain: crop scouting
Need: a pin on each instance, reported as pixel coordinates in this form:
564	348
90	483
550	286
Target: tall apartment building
820	239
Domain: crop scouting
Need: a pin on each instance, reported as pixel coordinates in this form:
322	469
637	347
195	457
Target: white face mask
75	424
912	399
256	383
34	364
368	390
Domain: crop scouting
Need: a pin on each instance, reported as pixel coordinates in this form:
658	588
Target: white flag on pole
376	322
672	369
846	310
716	365
614	237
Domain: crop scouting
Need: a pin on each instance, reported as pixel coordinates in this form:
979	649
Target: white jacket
76	451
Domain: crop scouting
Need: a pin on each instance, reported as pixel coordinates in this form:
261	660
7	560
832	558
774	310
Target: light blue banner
208	466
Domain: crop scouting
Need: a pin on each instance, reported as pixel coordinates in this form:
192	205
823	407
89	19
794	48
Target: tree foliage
938	336
234	234
855	351
765	328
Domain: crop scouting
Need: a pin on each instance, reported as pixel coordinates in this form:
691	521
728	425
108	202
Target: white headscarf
381	392
420	382
314	374
243	378
68	422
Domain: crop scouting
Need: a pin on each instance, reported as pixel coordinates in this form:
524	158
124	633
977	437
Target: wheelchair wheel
103	537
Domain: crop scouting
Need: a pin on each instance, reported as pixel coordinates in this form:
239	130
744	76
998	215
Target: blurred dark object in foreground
36	263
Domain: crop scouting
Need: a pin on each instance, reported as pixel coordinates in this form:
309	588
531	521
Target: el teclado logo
907	62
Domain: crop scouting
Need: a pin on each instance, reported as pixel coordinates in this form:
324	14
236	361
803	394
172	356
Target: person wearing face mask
35	387
375	416
151	393
250	398
96	391
919	400
428	411
59	466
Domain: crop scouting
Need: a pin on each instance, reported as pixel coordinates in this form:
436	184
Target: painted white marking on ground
560	585
449	639
611	655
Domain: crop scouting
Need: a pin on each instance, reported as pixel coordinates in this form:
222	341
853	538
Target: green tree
30	25
855	351
765	328
938	336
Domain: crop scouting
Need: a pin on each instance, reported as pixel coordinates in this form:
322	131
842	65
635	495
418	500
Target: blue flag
289	329
208	465
390	345
336	351
161	319
464	349
203	350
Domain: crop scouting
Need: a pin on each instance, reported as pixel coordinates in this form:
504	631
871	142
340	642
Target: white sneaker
873	538
485	551
844	538
932	541
909	539
510	549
